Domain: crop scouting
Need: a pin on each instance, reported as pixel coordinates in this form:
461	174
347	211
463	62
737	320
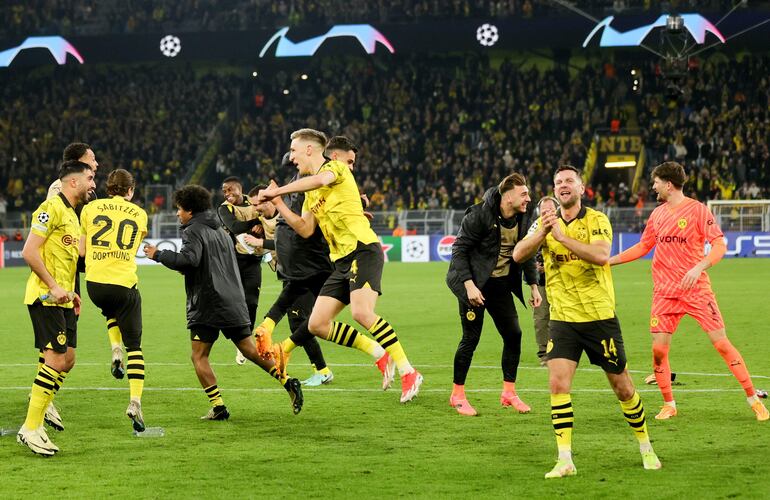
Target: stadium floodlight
620	164
487	34
170	46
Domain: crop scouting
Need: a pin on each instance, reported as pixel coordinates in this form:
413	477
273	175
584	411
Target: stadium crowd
150	121
88	17
431	132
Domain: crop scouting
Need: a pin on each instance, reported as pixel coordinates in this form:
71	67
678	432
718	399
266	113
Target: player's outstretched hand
150	251
268	194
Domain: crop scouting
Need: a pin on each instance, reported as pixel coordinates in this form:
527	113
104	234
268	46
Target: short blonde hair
312	135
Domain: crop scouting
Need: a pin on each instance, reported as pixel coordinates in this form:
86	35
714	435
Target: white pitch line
370	365
366	390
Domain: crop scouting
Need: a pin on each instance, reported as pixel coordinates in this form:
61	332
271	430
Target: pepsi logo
444	248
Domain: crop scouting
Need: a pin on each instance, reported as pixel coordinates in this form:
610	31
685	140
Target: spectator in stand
431	131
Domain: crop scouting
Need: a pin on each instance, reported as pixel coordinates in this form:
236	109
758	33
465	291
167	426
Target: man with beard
677	229
576	249
483	276
52	252
82	152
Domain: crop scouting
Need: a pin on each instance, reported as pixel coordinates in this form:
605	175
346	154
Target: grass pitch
353	440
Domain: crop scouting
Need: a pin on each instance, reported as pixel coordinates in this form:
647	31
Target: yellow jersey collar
581	213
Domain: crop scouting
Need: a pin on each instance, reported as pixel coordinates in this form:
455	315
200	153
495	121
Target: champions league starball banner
367	38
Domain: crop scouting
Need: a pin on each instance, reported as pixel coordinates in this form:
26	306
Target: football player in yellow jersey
51	251
576	245
333	203
82	152
112	230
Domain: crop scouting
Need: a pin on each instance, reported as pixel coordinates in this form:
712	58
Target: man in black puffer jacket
215	298
483	275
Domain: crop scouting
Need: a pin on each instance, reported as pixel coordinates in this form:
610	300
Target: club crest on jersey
682	223
549	346
654	321
61	339
470	315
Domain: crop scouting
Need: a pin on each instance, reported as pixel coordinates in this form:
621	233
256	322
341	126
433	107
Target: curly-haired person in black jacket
215	298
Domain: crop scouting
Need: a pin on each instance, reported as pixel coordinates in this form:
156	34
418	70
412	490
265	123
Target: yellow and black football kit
582	296
337	208
114	229
354	248
55	325
56	221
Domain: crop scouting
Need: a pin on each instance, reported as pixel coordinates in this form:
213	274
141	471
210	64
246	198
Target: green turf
352	440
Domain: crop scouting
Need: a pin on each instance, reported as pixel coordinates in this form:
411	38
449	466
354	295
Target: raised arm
640	249
595	252
303	225
189	256
528	247
304	184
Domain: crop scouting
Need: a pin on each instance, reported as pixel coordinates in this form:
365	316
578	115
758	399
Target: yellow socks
288	345
135	372
345	335
42	394
113	332
385	336
563	420
633	411
215	397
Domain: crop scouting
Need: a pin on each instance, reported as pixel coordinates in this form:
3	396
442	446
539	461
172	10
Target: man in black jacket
215	298
483	275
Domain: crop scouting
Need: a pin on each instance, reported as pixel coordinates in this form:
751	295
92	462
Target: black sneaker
294	388
134	412
217	413
118	369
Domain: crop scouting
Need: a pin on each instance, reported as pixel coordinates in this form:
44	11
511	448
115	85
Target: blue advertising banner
739	244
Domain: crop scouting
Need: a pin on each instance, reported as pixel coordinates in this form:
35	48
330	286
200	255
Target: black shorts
601	340
210	334
122	304
55	328
362	268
